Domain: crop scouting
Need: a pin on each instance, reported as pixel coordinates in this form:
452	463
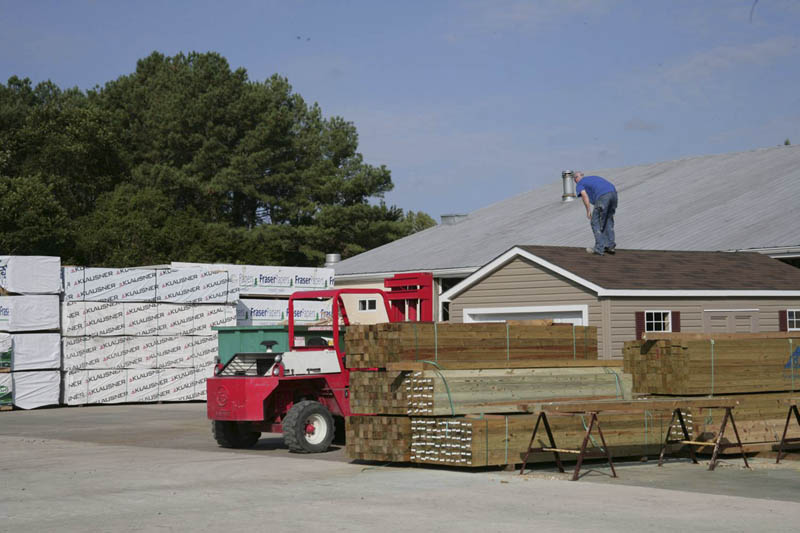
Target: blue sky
467	102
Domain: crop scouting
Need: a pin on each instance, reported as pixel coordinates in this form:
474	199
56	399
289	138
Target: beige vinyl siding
521	283
623	319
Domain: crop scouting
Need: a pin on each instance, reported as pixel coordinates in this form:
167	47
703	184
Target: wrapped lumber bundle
499	440
376	345
456	392
713	365
378	438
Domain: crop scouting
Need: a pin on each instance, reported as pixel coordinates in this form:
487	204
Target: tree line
185	159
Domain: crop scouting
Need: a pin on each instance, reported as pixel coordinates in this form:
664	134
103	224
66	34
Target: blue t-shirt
595	187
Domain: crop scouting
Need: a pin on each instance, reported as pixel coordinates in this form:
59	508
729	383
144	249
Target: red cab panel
239	399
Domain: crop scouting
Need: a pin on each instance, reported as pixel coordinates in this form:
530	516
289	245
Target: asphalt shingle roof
673	270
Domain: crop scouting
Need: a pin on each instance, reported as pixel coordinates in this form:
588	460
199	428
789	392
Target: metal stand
784	440
581	452
718	444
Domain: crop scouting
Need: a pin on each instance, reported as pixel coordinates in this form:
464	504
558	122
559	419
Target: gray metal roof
746	200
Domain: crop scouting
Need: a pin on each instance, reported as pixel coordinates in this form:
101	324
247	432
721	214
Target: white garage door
576	315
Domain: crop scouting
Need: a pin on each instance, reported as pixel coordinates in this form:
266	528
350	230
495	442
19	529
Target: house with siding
632	292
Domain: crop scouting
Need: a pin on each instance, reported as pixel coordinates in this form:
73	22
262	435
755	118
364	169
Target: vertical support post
583	447
738	440
666	439
686	435
792	408
713	464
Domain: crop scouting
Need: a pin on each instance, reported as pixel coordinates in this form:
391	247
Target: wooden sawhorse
718	444
581	452
792	403
594	408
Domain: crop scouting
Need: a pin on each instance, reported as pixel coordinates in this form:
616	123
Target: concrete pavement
156	468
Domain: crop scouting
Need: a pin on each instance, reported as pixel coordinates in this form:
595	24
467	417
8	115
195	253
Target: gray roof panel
733	201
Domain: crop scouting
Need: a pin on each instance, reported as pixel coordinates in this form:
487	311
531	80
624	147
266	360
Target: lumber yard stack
30	351
454	394
759	370
374	346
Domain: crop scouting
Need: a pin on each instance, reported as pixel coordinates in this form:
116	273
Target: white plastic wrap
142	385
74	284
192	285
312	311
204	349
201	373
120	285
6	350
141	352
141	318
207	317
175	352
175	319
37	388
255	280
176	385
30	274
105	353
73	353
6	389
29	313
73	319
104	319
107	386
253	312
36	351
76	387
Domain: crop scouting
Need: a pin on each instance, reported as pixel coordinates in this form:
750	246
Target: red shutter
639	324
783	322
676	321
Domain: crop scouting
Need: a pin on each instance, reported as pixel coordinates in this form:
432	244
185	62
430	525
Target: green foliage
186	159
786	142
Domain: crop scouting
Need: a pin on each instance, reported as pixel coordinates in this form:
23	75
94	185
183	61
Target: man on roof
601	193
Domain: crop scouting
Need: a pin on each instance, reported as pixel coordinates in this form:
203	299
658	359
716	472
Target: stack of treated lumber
379	438
692	364
375	346
443	392
440	394
497	440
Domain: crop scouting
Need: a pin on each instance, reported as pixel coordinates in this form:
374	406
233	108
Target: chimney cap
332	259
452	218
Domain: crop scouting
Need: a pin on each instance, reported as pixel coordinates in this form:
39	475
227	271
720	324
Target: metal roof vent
452	220
332	259
568	185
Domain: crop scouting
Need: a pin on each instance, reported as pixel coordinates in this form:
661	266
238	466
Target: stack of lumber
379	438
491	440
693	364
499	440
377	345
434	392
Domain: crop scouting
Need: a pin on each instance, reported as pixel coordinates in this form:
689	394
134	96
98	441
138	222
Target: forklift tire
308	428
233	435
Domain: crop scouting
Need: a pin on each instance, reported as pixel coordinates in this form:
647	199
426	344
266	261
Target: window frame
666	312
370	305
793	315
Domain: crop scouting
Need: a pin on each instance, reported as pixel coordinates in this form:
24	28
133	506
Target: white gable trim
516	252
506	258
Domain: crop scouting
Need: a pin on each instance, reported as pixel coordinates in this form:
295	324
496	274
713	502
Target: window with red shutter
639	324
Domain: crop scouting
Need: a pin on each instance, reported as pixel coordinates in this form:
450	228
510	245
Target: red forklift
304	391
